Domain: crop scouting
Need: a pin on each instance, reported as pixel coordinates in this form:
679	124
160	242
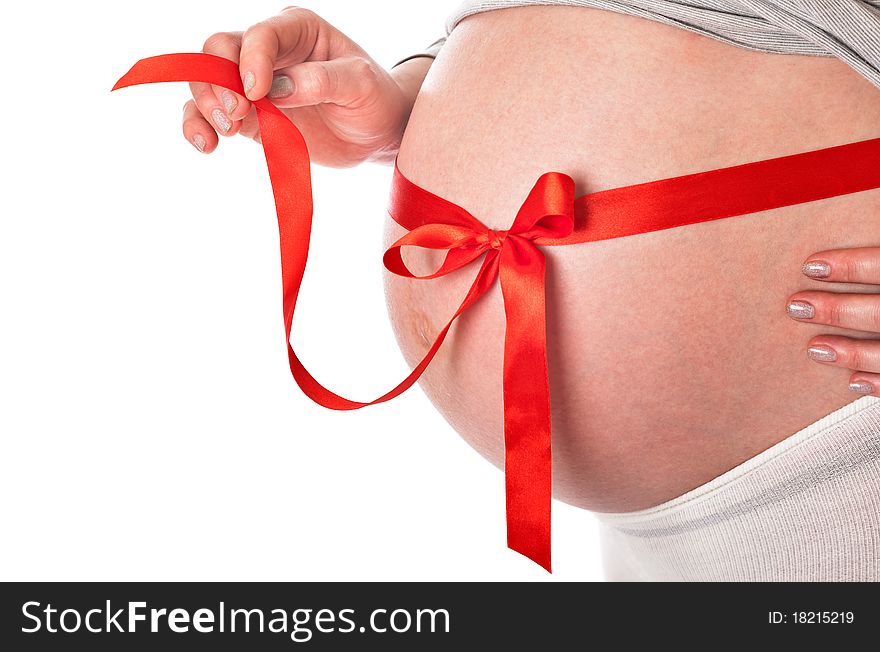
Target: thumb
346	81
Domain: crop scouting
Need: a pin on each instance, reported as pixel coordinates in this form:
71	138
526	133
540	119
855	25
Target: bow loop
462	243
548	211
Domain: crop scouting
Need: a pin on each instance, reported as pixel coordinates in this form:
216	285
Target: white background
150	429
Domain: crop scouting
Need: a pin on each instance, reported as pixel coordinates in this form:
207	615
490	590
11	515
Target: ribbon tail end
120	83
126	80
538	554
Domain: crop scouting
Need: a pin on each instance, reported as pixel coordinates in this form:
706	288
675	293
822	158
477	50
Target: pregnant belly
671	357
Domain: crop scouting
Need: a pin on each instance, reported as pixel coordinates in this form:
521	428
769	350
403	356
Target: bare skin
672	357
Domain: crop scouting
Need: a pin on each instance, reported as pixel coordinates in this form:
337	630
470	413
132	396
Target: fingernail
249	81
801	310
816	269
861	387
199	143
229	101
822	353
281	87
221	120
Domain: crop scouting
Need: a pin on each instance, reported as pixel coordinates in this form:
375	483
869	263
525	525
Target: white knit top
804	510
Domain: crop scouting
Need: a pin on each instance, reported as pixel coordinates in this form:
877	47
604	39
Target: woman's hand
860	312
348	108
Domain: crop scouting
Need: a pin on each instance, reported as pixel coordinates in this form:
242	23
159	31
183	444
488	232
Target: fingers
281	41
228	46
860	265
212	109
345	81
197	130
846	352
863	356
859	312
221	109
867	384
852	311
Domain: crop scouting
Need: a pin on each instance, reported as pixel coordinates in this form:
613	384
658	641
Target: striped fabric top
847	29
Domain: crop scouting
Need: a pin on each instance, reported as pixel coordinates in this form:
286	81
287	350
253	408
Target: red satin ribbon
549	216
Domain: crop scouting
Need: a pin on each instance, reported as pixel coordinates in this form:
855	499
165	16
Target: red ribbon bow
550	215
547	213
